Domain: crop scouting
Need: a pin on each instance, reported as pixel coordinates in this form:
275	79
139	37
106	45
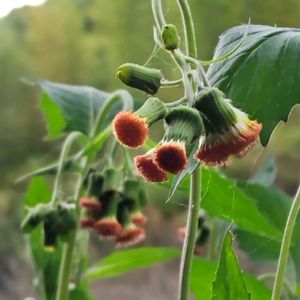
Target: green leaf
229	283
266	173
75	108
262	76
203	274
55	120
37	192
127	260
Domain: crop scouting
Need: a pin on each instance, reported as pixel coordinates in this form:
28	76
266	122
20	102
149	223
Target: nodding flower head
148	169
87	222
138	218
130	234
132	128
90	204
140	77
183	126
108	226
229	131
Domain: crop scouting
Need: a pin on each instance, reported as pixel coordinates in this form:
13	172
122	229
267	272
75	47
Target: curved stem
189	31
63	156
176	103
199	68
171	83
285	247
191	233
158	14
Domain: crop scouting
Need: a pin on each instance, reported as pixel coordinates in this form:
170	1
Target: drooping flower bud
91	204
132	128
111	181
170	37
229	131
108	225
140	77
183	126
130	234
92	211
148	169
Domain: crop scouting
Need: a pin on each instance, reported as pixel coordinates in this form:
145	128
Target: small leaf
267	172
229	283
128	260
37	192
203	273
262	76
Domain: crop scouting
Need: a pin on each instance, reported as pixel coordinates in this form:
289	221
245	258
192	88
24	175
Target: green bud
217	112
96	181
170	37
110	201
139	77
35	216
124	214
152	110
183	124
142	197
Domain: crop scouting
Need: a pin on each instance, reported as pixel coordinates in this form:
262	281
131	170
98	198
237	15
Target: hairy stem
191	233
189	31
68	249
285	247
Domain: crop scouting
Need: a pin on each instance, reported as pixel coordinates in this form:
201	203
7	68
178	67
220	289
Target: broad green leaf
229	283
55	120
76	108
37	192
275	205
266	173
128	260
80	294
262	76
203	274
222	198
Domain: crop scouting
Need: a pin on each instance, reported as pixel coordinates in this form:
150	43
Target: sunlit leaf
38	191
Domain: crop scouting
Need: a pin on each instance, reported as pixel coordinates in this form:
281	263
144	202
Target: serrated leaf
38	191
229	283
77	107
128	260
262	76
222	198
203	273
266	173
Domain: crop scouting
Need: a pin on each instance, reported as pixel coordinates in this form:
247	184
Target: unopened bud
170	37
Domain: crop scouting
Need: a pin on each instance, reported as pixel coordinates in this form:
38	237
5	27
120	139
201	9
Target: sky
6	6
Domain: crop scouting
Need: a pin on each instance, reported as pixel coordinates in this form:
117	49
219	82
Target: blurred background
83	42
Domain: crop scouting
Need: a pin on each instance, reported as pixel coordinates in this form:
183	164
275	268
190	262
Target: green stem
171	83
191	233
188	25
68	249
285	247
176	103
158	14
199	68
63	157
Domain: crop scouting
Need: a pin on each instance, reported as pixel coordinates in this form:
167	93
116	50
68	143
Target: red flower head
130	236
131	129
148	169
87	222
91	204
229	131
183	126
138	218
108	227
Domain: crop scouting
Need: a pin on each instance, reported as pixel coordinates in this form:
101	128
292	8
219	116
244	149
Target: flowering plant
204	128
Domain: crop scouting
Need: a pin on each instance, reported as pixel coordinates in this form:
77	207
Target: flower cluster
219	129
115	214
